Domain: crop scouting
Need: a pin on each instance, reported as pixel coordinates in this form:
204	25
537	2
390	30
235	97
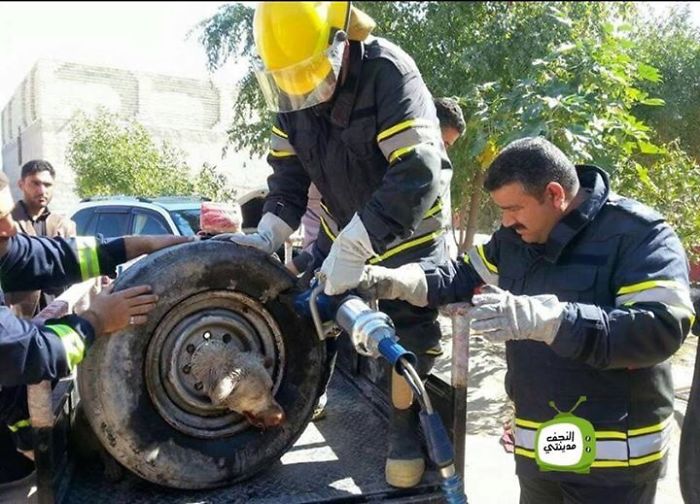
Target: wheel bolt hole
187	369
190	348
226	338
207	335
198	386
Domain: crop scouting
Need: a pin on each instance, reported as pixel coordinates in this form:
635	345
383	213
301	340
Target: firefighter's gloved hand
270	235
500	316
407	283
343	267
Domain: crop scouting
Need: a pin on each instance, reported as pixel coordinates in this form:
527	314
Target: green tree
671	43
569	71
112	156
214	185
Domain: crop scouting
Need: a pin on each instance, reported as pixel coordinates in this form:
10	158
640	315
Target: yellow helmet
301	46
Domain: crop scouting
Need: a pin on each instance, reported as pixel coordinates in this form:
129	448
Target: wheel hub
223	317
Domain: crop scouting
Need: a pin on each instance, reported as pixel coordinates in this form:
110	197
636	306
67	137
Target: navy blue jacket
374	150
623	274
30	353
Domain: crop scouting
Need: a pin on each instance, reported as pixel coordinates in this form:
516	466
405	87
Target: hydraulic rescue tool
373	335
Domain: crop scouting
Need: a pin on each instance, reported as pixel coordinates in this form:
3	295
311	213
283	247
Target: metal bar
39	399
459	377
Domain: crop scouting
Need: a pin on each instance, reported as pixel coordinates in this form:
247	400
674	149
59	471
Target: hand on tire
112	311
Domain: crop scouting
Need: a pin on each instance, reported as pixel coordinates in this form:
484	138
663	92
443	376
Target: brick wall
191	114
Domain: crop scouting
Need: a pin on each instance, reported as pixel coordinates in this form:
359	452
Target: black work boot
404	463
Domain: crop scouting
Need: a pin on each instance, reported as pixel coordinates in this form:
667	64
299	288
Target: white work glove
500	316
270	235
407	283
343	266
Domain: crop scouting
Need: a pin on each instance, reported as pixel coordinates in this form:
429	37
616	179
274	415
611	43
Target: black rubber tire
113	385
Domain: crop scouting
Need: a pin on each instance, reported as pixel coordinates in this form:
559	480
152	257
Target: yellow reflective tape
648	458
527	423
491	267
87	257
524	452
281	154
410	123
649	284
72	342
648	430
400	152
327	229
406	245
325	208
610	435
279	132
19	425
609	463
465	258
437	207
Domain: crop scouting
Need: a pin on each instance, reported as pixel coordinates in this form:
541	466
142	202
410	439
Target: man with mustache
589	291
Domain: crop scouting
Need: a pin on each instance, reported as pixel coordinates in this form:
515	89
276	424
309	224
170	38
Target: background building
191	114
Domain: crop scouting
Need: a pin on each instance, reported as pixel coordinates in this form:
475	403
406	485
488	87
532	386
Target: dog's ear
223	389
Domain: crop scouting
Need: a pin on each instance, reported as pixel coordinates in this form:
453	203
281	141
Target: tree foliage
672	44
114	156
583	74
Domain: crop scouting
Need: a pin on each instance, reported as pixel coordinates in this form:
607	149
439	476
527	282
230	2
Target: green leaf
656	102
648	73
648	148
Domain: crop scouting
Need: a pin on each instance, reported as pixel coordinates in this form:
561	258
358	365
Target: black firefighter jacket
623	274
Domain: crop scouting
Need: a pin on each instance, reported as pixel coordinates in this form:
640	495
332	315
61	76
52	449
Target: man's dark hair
36	166
534	162
450	114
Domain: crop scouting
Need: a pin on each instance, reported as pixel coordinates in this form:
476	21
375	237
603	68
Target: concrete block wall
191	114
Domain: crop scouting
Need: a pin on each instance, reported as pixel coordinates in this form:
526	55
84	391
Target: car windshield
186	220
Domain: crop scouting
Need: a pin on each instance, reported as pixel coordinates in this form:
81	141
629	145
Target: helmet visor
304	84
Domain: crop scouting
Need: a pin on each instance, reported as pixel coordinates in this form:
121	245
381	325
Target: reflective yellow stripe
609	463
648	458
394	250
437	207
281	154
279	132
326	229
491	267
19	425
87	257
524	452
72	342
649	284
610	435
403	246
527	424
652	428
399	152
465	258
410	123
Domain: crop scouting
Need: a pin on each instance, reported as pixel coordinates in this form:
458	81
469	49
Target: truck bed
337	459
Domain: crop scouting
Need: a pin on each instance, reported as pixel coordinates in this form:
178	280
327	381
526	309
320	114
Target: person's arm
652	313
429	284
409	138
289	183
32	262
30	353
